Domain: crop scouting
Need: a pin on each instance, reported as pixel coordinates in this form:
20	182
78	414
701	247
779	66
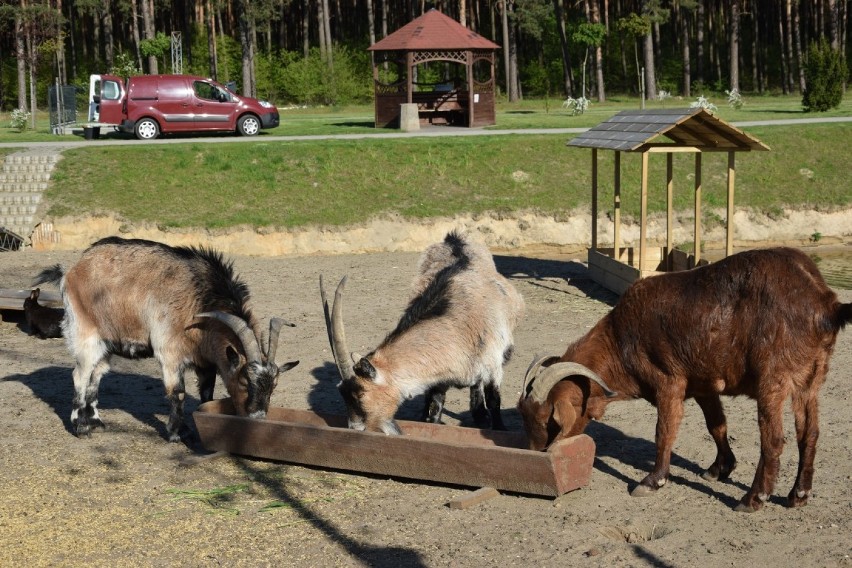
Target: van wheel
147	129
248	125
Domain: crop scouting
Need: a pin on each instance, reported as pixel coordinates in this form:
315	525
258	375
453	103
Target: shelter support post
697	229
729	236
643	215
669	216
594	199
616	213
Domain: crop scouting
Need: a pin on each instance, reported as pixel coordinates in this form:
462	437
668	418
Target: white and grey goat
182	305
457	331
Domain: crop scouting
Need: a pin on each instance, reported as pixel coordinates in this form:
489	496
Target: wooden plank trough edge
428	452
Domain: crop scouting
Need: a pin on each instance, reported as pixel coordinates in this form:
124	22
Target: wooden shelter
462	99
662	131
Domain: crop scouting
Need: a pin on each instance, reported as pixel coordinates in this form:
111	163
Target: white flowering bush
663	95
20	119
577	106
704	102
735	99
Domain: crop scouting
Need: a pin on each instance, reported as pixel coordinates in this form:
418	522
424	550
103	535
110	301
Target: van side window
205	91
110	91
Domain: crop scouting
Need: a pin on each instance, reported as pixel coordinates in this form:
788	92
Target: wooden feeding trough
425	451
14	299
691	131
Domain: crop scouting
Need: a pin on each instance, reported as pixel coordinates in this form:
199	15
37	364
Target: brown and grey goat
457	331
760	323
182	305
41	320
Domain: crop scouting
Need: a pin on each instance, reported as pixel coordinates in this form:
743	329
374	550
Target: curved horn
274	331
532	370
334	327
244	332
558	371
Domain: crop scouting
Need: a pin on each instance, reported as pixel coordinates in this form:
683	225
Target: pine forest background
313	52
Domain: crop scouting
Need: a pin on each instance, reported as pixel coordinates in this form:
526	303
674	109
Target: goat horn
274	331
241	328
334	327
532	370
558	371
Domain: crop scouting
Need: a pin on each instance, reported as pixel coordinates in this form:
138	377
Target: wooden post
470	89
616	215
594	199
669	215
643	214
697	229
729	236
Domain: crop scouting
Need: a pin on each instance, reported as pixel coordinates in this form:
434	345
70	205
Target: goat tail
52	275
844	315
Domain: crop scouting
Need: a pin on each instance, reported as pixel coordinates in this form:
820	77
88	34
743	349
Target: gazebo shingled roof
690	130
435	37
433	30
629	130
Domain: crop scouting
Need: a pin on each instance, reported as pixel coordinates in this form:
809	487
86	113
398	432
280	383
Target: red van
150	105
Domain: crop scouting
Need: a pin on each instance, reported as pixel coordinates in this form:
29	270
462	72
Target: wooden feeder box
690	130
432	452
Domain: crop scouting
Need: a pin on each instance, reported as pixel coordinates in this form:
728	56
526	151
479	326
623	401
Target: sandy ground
123	497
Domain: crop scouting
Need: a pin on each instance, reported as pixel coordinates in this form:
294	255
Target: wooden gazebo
466	100
663	131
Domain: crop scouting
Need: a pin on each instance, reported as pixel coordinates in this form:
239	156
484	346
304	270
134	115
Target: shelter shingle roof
629	130
433	31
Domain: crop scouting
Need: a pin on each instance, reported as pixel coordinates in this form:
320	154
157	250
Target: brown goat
760	323
42	321
184	306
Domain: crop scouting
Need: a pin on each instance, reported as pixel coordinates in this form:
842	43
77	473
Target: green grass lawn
342	182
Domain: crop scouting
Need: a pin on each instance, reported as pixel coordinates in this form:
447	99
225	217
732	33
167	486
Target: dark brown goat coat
760	323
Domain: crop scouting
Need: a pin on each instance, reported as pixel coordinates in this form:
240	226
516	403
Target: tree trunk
734	43
326	29
306	27
61	68
684	42
463	13
648	53
599	70
789	46
756	74
245	43
321	29
832	25
563	44
21	58
784	63
150	32
371	22
514	84
134	27
797	41
699	41
109	41
211	41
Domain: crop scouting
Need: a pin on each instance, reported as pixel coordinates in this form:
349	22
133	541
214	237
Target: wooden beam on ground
14	299
474	498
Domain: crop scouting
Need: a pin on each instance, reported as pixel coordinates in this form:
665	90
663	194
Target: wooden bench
450	106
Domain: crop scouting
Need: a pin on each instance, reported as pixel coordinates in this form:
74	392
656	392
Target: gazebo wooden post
697	227
409	76
616	207
643	215
729	236
469	76
669	215
594	199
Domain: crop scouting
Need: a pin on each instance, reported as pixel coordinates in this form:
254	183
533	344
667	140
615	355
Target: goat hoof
709	475
794	500
745	508
642	491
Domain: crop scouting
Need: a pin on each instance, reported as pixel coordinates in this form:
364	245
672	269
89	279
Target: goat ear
34	294
364	369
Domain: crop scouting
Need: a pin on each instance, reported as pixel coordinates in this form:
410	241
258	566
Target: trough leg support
474	498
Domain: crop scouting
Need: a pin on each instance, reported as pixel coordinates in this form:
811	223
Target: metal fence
62	101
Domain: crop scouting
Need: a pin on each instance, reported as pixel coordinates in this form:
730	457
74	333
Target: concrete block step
21	177
19	198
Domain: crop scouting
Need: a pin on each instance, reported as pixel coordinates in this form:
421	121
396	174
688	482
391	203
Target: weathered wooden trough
14	299
430	452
